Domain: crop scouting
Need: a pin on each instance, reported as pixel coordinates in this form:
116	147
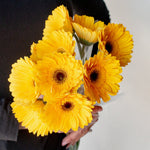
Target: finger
75	136
97	109
68	146
70	138
95	119
95	115
72	143
93	122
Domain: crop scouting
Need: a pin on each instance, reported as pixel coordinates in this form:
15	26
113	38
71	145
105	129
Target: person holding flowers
46	84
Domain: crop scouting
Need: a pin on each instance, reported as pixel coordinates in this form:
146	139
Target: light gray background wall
124	123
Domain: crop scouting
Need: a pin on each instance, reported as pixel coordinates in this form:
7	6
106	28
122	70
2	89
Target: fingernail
64	143
100	109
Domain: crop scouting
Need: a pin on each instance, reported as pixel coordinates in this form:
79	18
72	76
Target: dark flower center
60	76
61	50
67	106
34	83
108	47
94	76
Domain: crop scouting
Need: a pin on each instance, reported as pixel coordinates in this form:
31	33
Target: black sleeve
8	124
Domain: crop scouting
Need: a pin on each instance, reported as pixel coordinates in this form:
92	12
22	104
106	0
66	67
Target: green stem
81	49
82	53
78	42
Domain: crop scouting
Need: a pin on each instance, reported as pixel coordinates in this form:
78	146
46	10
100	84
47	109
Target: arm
8	124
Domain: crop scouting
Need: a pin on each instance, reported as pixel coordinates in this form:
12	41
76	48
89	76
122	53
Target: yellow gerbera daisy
30	117
86	29
34	57
22	80
56	41
101	77
117	41
58	20
58	74
69	111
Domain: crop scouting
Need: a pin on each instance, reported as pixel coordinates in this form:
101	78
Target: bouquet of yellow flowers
45	85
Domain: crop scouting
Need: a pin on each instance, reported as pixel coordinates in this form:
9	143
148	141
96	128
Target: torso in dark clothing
28	141
22	23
